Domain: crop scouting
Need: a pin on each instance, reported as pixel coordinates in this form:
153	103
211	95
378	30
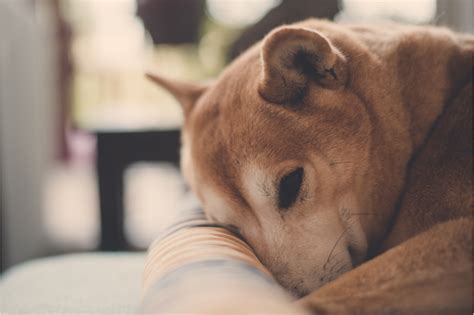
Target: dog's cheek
186	162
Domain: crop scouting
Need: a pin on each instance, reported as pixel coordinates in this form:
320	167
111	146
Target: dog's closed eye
289	188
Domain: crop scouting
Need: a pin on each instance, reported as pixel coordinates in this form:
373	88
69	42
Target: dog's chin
297	292
297	288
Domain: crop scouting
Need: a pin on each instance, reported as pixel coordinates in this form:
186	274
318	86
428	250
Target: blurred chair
116	150
168	22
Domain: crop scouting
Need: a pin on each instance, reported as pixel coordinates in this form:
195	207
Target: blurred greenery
110	58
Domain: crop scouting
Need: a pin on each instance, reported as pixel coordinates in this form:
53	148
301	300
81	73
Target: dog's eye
289	188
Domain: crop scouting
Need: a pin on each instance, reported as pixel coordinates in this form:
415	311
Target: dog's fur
379	118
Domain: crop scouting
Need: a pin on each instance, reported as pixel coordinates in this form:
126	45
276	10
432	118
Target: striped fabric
199	267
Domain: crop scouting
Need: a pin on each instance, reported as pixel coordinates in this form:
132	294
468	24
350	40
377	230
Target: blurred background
88	147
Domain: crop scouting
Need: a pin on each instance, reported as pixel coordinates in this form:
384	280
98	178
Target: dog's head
278	149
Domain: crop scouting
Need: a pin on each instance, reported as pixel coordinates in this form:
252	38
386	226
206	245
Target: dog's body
326	145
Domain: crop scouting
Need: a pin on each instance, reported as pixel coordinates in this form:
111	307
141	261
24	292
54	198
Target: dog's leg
428	274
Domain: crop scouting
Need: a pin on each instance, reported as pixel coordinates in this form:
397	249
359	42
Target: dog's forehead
230	138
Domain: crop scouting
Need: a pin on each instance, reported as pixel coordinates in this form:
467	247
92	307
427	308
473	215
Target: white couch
89	283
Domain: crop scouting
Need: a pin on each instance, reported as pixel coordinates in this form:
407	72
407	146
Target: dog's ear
292	57
186	93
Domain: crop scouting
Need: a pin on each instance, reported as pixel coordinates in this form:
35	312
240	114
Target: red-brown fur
383	118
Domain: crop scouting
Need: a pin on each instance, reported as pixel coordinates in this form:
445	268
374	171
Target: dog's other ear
186	93
293	56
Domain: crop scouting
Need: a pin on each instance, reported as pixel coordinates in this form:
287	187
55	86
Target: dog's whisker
339	162
334	247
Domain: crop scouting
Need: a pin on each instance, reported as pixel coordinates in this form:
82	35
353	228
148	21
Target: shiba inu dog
343	150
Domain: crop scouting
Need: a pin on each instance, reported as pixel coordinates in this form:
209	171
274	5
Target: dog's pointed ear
292	57
186	93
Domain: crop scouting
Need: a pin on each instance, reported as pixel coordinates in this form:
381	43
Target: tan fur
380	119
